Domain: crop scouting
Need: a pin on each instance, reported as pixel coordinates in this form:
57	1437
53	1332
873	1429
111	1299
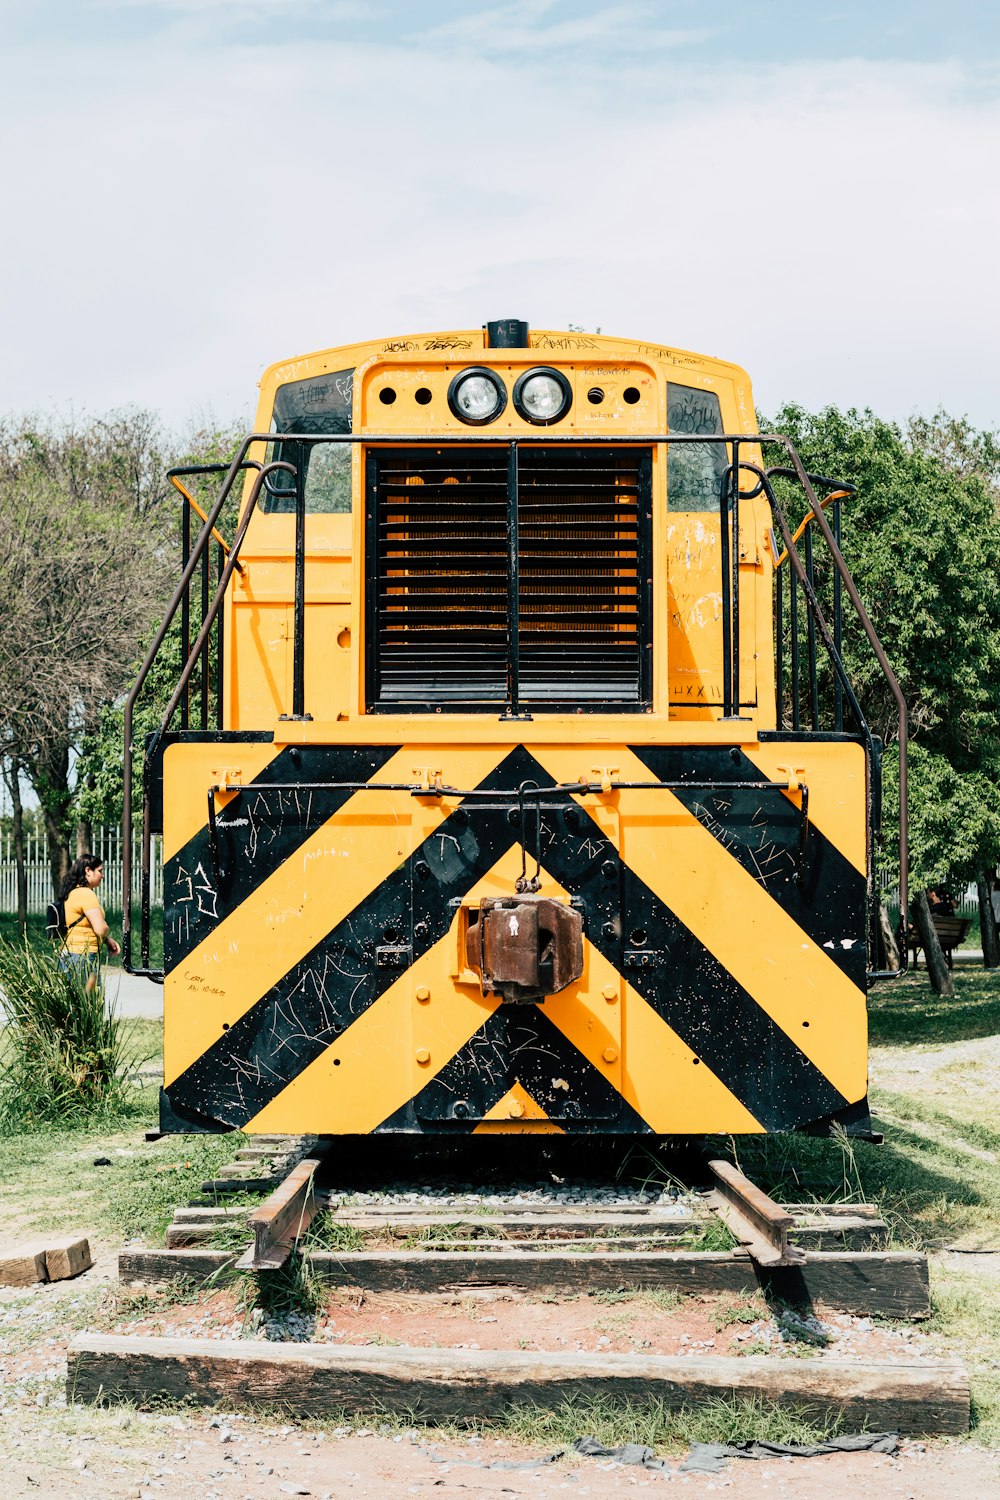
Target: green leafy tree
923	542
82	559
99	784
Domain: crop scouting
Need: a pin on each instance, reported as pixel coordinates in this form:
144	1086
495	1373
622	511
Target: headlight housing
542	396
477	395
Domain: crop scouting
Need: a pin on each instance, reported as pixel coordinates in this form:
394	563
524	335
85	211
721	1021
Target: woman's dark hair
78	873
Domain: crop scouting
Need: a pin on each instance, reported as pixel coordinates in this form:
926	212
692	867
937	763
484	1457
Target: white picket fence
107	847
968	899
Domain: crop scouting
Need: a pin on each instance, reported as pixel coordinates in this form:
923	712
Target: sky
194	189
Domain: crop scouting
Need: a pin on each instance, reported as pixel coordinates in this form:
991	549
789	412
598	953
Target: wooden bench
951	931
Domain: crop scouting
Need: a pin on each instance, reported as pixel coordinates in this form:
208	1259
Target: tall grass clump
63	1057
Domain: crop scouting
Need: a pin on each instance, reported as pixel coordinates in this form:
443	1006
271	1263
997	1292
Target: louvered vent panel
438	615
578	536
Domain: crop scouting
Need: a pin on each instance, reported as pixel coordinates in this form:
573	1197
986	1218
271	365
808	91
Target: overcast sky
195	188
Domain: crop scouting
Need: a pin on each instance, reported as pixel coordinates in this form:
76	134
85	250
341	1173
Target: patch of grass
711	1236
133	1197
142	1195
144	1044
732	1310
325	1233
67	1059
905	1012
965	1320
273	1295
233	1235
717	1420
667	1299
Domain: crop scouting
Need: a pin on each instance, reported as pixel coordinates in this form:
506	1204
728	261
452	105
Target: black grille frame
468	612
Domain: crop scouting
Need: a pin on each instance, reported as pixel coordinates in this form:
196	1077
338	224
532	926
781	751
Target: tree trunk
987	921
13	780
50	778
937	968
84	837
889	943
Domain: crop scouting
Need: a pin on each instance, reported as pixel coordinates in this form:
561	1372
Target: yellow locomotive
496	791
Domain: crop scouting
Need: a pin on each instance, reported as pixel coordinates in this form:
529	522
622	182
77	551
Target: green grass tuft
270	1296
67	1058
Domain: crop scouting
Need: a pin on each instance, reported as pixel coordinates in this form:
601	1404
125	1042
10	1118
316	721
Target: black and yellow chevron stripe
315	974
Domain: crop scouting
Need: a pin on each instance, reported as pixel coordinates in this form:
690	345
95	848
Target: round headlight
477	395
543	396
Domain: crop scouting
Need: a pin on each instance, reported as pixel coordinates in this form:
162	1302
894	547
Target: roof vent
507	333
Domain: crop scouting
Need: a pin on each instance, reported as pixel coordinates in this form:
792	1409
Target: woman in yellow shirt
86	924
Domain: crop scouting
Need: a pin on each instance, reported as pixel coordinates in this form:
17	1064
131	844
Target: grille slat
439	621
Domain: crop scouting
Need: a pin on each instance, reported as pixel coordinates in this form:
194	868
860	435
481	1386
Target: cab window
319	405
694	470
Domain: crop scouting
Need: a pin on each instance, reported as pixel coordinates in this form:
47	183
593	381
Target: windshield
321	404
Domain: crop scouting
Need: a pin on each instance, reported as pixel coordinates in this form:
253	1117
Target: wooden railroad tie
466	1385
888	1283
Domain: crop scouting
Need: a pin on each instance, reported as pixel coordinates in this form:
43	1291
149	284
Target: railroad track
728	1238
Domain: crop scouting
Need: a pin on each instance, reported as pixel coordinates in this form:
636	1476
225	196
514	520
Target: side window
694	470
319	405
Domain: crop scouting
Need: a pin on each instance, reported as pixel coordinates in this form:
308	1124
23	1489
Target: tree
923	541
83	567
99	781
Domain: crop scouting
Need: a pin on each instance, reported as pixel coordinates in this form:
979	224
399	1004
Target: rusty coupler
525	947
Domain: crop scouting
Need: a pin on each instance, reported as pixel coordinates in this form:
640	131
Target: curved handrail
239	463
183	490
800	530
888	674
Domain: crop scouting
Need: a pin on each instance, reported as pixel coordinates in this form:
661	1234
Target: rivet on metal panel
516	1109
610	1054
423	1056
423	993
610	992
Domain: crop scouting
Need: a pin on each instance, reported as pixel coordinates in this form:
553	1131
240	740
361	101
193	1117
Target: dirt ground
49	1449
118	1454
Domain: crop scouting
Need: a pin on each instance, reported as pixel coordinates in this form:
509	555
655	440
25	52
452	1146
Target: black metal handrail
730	495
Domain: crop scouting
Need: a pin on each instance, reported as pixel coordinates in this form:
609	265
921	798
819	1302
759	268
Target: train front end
515	807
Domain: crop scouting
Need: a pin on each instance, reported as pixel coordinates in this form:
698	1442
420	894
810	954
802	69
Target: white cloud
523	26
176	220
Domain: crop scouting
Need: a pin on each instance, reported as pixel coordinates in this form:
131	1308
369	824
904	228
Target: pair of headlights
541	396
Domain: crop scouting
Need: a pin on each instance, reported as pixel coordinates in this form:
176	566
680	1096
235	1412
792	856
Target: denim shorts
78	963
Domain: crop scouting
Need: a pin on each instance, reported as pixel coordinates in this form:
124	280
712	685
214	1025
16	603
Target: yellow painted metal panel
189	770
294	909
372	1069
835	775
788	974
694	603
673	1091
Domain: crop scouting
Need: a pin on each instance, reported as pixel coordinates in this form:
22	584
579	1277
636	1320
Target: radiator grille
439	608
